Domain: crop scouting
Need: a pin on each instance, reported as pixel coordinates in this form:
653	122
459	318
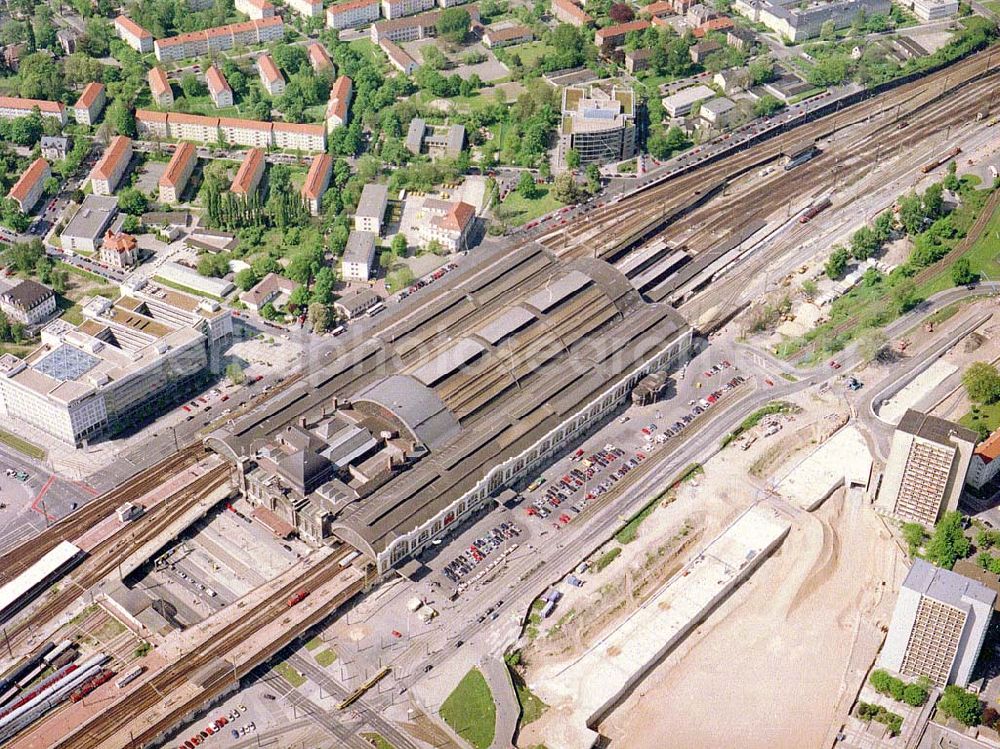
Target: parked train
943	160
814	210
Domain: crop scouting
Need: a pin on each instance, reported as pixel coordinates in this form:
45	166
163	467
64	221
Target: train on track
814	210
943	160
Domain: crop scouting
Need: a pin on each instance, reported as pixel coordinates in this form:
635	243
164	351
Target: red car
187	408
396	634
770	383
834	364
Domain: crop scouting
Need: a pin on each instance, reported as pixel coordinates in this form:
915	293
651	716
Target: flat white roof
688	96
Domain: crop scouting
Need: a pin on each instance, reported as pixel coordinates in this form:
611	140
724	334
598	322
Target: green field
313	644
470	710
531	52
326	658
289	674
21	445
369	49
376	740
987	416
516	210
983	256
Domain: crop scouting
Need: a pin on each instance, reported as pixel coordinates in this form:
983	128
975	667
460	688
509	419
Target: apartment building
177	126
569	12
54	147
178	172
358	261
107	172
508	36
938	626
258	10
12	107
218	87
934	10
928	462
319	58
803	20
353	13
28	303
119	250
410	29
30	186
307	8
159	88
317	180
85	230
143	353
399	8
270	77
615	35
219	39
371	208
340	103
984	465
399	58
90	104
597	124
133	35
249	175
446	222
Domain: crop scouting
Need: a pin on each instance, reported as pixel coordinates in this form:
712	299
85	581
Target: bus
375	309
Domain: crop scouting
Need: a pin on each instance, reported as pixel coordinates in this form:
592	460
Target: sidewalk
508	709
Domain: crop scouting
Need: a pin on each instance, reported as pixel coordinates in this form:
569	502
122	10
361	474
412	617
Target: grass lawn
205	106
993	5
326	658
185	289
531	52
81	272
531	706
21	445
518	210
368	48
376	740
605	559
983	256
470	710
289	674
982	416
313	643
18	350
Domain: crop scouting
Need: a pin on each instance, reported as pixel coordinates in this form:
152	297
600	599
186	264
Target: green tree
904	295
121	119
961	272
761	70
836	264
882	226
948	543
398	245
915	695
235	374
215	266
264	265
246	279
434	58
951	182
320	317
870	344
322	292
565	189
914	535
526	186
268	312
961	705
298	299
454	24
911	213
132	201
573	158
864	243
767	105
192	87
982	382
39	77
934	201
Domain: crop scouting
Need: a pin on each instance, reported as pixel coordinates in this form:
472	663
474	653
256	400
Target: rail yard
392	439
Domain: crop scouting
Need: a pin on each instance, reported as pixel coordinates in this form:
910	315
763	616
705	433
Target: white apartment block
353	13
446	222
90	104
938	626
270	77
307	8
30	186
399	8
107	172
133	35
219	39
371	208
177	126
151	348
159	88
12	107
218	88
928	460
359	257
258	10
178	172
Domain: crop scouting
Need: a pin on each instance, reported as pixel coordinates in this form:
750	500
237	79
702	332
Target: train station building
407	434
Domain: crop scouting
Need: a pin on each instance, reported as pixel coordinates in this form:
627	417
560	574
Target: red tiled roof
248	170
179	118
158	82
339	94
989	449
622	29
132	27
113	154
318	176
511	32
351	5
716	24
89	96
318	56
120	242
12	102
660	8
247	124
29	179
268	69
573	9
458	217
215	80
178	163
394	52
148	115
294	127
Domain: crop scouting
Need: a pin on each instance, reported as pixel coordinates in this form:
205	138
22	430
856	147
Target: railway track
592	236
107	555
17	560
111	724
